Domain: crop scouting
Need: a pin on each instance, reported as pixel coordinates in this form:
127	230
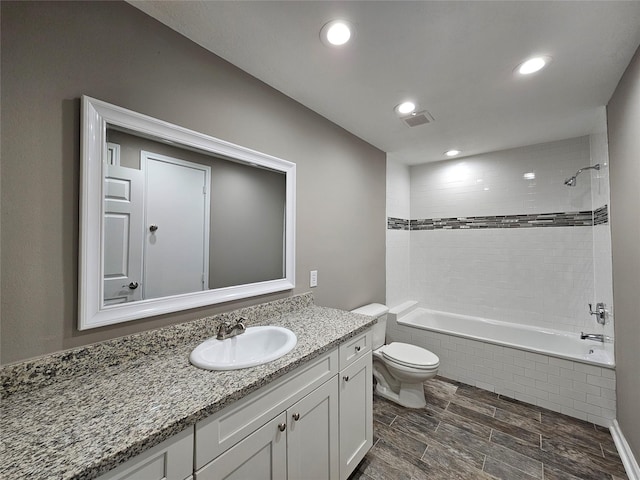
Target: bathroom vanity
153	415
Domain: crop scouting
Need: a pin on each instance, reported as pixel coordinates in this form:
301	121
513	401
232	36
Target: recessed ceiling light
529	176
534	64
405	108
452	152
336	33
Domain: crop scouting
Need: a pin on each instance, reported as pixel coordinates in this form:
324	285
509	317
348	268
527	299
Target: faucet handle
240	325
600	312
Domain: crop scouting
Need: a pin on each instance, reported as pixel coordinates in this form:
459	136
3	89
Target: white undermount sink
256	346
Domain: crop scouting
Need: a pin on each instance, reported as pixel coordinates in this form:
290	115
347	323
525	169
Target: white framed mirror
172	219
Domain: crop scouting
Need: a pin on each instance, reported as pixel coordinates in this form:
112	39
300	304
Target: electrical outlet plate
313	278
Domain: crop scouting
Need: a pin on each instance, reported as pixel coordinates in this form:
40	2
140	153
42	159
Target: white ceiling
454	59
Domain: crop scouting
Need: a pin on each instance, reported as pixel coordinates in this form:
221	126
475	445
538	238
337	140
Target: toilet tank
379	311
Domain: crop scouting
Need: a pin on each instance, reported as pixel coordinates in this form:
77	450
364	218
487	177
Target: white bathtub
549	368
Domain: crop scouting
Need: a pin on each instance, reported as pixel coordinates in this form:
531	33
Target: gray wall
52	53
624	149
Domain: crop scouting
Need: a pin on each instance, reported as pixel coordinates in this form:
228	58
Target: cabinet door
260	456
356	413
170	460
312	438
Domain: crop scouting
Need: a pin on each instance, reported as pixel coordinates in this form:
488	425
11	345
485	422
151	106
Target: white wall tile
542	277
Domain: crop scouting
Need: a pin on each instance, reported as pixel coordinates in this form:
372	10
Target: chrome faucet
226	330
592	336
600	312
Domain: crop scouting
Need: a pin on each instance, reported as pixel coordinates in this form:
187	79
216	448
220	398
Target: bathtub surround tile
537	277
568	449
573	388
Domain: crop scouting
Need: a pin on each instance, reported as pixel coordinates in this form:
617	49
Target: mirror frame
92	313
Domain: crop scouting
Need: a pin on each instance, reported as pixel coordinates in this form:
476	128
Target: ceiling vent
417	118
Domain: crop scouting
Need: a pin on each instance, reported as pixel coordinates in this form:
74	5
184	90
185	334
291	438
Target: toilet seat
409	355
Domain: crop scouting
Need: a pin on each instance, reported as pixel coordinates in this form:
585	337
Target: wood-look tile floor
467	433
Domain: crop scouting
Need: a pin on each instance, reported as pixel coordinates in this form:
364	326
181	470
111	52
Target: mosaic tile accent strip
601	215
397	223
585	218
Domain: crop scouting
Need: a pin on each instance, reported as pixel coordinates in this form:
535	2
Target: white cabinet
260	456
356	415
299	444
312	435
170	460
314	423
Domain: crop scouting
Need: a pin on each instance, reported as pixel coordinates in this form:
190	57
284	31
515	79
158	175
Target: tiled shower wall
512	263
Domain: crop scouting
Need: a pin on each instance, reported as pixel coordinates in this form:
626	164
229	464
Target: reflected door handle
133	285
153	228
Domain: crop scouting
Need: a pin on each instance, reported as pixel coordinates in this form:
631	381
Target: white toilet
399	368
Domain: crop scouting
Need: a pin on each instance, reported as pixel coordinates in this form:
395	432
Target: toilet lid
410	355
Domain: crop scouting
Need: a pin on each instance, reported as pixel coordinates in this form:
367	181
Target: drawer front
355	348
227	427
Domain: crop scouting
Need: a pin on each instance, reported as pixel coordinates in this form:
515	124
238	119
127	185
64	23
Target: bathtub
549	368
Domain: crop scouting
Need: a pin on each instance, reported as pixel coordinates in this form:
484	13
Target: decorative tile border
397	223
585	218
601	215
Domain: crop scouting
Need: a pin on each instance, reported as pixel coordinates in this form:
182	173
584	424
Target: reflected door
123	223
176	248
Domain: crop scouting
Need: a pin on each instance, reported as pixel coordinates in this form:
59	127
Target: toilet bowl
399	368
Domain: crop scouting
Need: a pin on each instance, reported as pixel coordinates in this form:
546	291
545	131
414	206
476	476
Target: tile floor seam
456	455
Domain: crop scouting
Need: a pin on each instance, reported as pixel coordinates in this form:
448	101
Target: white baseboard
624	450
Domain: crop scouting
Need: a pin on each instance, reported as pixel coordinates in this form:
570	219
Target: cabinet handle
282	427
296	416
346	378
358	348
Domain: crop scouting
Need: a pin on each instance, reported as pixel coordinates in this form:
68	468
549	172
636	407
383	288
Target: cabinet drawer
355	348
227	427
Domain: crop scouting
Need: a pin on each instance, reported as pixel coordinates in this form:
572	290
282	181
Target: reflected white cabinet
170	460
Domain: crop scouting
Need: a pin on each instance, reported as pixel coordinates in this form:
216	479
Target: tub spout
592	336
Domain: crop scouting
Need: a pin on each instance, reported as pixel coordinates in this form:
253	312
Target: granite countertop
80	413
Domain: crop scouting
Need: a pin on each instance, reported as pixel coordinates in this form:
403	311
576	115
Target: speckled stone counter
79	413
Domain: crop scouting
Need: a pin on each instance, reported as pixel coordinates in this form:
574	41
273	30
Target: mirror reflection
173	219
178	220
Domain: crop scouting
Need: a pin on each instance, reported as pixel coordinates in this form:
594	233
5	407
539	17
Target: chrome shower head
571	181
